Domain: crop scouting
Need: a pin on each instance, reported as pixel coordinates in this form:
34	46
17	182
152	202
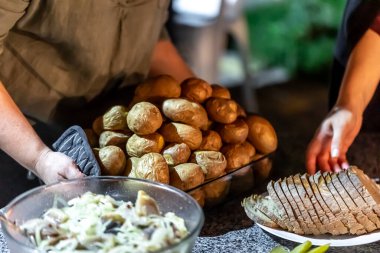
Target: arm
344	121
20	141
327	150
166	60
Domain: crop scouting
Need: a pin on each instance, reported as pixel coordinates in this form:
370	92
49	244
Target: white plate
335	241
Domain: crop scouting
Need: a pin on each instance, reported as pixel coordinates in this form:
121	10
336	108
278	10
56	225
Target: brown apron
74	48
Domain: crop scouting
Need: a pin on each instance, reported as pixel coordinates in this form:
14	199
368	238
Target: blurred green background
298	36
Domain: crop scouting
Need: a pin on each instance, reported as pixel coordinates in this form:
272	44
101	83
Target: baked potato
153	167
196	89
263	169
238	155
235	132
185	111
186	176
212	163
216	191
199	196
261	134
110	138
219	91
138	146
115	118
97	125
144	118
130	167
182	133
211	141
157	89
176	153
222	110
92	137
112	160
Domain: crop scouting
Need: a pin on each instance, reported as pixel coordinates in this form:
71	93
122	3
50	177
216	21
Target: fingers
323	159
317	154
72	172
311	156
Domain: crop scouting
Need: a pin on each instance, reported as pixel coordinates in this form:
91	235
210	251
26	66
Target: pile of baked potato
181	134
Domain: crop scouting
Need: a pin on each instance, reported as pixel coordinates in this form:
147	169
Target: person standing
74	50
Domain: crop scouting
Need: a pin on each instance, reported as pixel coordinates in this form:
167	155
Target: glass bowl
34	203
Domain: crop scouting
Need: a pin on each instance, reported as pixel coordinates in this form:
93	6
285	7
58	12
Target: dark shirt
358	17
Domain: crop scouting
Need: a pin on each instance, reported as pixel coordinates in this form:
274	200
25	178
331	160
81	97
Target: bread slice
293	205
336	226
293	222
366	188
281	210
346	216
347	202
309	206
358	199
252	206
304	213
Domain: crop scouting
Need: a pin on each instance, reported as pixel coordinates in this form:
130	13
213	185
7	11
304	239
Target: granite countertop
228	229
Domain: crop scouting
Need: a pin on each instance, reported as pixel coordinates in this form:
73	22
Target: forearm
362	74
166	60
17	137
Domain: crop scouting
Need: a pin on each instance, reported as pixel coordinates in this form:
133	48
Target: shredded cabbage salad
99	223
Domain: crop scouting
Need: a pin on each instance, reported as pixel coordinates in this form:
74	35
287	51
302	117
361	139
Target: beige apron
74	48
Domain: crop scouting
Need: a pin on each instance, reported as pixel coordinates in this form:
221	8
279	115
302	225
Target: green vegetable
279	249
320	249
302	248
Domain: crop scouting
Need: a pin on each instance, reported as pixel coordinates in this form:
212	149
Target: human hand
327	150
55	166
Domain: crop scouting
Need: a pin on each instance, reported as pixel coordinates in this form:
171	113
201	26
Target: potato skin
263	168
241	112
249	149
185	111
153	167
138	146
111	160
92	137
238	155
212	163
222	110
234	133
216	191
157	89
130	167
218	91
144	118
199	196
211	141
196	89
110	138
115	118
261	134
97	125
186	176
182	133
175	153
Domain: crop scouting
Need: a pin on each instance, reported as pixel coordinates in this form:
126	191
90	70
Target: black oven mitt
73	143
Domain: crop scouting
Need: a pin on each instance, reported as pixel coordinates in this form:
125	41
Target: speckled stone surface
3	244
